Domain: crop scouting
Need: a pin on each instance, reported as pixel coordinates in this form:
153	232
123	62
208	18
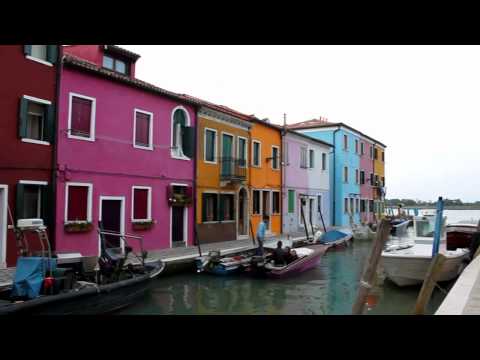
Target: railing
233	169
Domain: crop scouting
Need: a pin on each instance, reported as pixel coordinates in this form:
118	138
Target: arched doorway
242	213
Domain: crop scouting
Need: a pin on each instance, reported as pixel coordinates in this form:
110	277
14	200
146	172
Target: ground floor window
362	206
319	203
276	202
210	211
256	202
78	200
352	205
291	201
29	199
227	208
141	203
371	206
357	207
345	205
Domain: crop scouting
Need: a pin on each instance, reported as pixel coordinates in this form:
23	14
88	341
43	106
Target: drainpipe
334	182
283	165
59	69
196	241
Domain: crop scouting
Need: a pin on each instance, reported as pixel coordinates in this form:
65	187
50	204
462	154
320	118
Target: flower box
78	227
143	225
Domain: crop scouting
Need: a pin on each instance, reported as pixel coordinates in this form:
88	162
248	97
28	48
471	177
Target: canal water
328	289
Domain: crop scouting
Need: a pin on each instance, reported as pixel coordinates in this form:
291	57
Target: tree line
422	203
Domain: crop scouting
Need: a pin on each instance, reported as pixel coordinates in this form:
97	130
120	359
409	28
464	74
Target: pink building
124	157
366	176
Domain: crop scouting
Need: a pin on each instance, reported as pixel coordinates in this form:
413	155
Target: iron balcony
233	169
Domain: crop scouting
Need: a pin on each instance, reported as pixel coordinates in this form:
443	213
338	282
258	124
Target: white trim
92	117
3	234
278	159
89	201
122	219
185	219
279	203
232	150
37	100
246	150
149	203
41	61
215	147
259	153
33	141
150	137
173	154
33	182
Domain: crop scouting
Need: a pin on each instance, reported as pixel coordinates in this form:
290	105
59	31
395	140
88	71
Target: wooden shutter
50	124
81	116
291	201
140	204
52	53
22	118
77	203
188	141
19	201
142	129
27	49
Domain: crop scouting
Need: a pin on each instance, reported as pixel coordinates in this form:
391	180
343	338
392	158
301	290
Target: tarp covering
332	235
29	275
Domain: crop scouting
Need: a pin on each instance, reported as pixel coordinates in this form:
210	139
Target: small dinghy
214	263
335	238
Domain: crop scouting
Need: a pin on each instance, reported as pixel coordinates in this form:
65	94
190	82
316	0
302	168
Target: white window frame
92	117
215	154
310	165
232	151
259	153
278	158
41	61
122	220
149	203
324	168
150	138
3	234
89	202
38	101
246	150
177	153
38	183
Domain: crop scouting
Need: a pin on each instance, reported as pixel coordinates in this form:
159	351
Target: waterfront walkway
464	297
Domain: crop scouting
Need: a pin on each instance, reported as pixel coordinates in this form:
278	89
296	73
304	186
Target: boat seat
114	254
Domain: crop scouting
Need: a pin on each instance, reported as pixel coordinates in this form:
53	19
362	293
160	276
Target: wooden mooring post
370	271
429	283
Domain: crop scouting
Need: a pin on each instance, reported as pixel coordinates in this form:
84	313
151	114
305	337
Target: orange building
266	175
222	175
379	179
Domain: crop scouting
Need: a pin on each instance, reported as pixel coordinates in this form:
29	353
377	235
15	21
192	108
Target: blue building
346	165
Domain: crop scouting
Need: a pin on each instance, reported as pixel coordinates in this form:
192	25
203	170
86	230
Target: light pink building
124	156
366	176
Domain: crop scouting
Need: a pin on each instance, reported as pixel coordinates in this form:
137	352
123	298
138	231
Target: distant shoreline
432	207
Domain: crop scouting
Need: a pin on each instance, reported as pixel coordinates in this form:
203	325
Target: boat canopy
29	275
333	235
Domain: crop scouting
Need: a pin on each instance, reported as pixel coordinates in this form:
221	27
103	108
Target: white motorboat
406	260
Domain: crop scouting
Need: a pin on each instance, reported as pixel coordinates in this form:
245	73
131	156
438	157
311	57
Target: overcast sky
421	101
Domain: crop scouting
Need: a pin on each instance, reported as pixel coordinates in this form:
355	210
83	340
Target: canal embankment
464	297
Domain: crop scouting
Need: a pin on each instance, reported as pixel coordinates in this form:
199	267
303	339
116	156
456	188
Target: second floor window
375	154
82	117
356	146
182	135
143	130
371	152
345	142
345	174
356	176
383	156
362	148
303	158
242	152
311	158
275	158
256	154
371	179
324	161
362	177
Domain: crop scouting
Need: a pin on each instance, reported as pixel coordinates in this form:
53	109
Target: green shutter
204	207
50	124
52	53
19	201
188	141
47	205
291	201
22	118
27	49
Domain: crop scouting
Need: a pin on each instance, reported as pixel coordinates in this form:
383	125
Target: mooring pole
371	268
429	283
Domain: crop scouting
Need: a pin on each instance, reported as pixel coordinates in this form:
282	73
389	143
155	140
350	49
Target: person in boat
262	227
290	255
279	255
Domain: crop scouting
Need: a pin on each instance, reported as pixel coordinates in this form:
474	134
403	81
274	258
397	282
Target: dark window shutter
47	205
140	203
19	201
52	53
142	129
22	118
50	124
221	208
188	141
77	203
204	207
27	49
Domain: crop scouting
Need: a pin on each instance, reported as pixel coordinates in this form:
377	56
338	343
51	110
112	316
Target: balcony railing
233	169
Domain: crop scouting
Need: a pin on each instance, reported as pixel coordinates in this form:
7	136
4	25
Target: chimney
267	120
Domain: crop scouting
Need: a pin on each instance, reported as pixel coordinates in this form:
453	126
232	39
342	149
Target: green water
330	288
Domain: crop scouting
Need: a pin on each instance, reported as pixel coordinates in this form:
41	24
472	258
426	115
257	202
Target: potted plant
143	225
78	226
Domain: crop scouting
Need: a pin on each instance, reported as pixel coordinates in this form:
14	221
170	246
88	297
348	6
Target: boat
335	238
43	285
408	263
215	264
363	232
308	258
460	235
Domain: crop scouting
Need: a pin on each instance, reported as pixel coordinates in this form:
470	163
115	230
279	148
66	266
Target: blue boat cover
29	275
332	235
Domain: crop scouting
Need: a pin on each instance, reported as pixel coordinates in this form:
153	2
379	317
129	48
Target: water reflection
330	288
